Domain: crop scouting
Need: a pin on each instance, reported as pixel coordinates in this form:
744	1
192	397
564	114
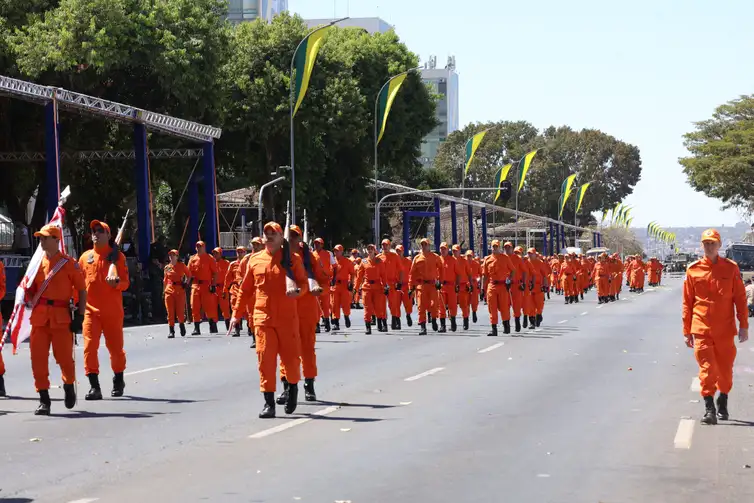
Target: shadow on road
163	400
338	418
364	405
16	500
84	414
738	422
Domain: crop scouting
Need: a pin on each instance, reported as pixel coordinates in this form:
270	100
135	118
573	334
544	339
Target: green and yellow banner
471	146
580	195
303	63
500	177
523	167
385	101
565	192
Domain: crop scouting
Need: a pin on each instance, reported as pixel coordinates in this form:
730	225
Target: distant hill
688	238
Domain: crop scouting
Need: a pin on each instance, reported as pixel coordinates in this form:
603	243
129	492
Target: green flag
580	195
303	62
523	167
500	176
471	146
385	101
565	192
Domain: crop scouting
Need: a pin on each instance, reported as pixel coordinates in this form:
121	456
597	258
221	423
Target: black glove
531	285
574	277
458	288
387	289
470	288
438	285
224	295
212	289
185	282
112	257
521	286
411	292
508	283
77	322
399	286
350	287
332	282
545	289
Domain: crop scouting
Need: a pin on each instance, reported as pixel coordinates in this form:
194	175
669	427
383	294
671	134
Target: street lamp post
259	207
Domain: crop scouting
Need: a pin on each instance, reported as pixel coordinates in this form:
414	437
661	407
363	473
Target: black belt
498	282
371	281
428	281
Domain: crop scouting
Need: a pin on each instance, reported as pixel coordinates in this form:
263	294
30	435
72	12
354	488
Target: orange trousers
202	300
463	299
637	278
223	299
374	303
175	304
517	299
274	341
538	296
715	356
449	302
528	300
307	327
111	325
341	300
394	299
324	304
428	301
498	299
61	340
474	297
408	304
603	286
2	364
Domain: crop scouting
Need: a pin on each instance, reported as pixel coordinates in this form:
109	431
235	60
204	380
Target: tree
721	164
613	167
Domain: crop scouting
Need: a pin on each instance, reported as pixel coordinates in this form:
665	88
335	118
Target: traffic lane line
684	434
425	374
696	385
152	369
292	424
492	348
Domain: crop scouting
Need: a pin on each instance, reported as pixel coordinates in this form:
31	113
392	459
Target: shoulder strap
57	267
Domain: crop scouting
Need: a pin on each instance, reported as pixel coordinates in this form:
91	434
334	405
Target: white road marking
600	306
425	374
84	500
492	348
696	385
584	313
155	368
295	422
562	321
684	434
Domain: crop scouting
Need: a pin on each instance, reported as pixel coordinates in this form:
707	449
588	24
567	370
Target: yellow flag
471	146
565	192
502	174
523	167
581	193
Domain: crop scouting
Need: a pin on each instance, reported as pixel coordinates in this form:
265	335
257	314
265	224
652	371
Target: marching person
405	298
476	274
58	279
175	282
222	295
497	271
326	261
275	315
601	277
465	289
424	277
231	288
373	282
713	287
203	270
518	284
104	308
256	247
394	274
341	288
540	274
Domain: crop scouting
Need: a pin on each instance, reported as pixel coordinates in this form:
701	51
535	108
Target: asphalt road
598	405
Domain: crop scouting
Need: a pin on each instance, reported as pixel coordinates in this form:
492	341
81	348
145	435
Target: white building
444	82
249	10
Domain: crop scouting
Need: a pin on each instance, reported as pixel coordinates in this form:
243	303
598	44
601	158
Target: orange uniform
324	278
519	278
497	269
601	276
528	300
710	292
393	273
464	270
540	274
408	304
175	293
223	299
372	281
275	315
51	320
104	309
203	270
231	285
425	272
341	292
476	273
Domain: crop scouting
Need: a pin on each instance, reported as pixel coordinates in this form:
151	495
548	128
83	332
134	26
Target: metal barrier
229	240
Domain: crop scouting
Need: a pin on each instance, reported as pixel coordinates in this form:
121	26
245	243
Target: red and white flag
19	327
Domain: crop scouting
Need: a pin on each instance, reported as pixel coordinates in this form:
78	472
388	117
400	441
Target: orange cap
218	250
200	243
711	235
241	248
50	231
496	243
519	249
371	246
273	227
443	245
97	223
531	250
296	229
385	242
338	247
399	247
354	250
257	240
469	253
507	244
424	241
456	248
320	241
173	252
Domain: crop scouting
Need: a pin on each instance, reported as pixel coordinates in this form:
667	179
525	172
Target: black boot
253	341
268	411
392	323
442	326
44	403
227	324
309	394
568	299
2	386
326	322
283	397
582	296
95	393
422	329
518	323
722	407
397	322
118	385
374	321
347	320
539	319
532	322
171	333
335	324
292	402
473	317
494	331
237	332
70	396
576	298
317	329
453	326
526	321
710	417
384	324
367	327
249	330
197	330
409	321
434	324
182	329
506	326
212	326
466	323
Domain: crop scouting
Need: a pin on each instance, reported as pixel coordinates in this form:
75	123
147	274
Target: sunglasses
99	230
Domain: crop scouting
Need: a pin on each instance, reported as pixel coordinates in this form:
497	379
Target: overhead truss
109	109
104	155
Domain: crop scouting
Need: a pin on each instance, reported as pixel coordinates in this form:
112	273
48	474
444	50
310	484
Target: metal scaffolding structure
104	155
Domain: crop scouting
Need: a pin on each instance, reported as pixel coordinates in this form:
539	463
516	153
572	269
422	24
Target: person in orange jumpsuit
395	280
50	294
2	363
355	259
476	274
104	308
424	278
541	273
527	302
373	282
498	271
518	285
175	281
203	270
307	307
713	287
568	277
341	288
223	299
601	277
405	298
451	286
326	262
464	284
276	286
231	288
555	273
247	308
654	267
637	274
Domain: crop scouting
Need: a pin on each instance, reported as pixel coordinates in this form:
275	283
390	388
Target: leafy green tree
721	164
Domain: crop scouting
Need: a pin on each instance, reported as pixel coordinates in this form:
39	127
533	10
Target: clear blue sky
642	71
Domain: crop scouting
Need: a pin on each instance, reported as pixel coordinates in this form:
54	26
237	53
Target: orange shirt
518	267
265	278
601	271
230	277
372	274
539	271
392	266
475	268
425	268
464	269
99	295
451	271
203	268
174	276
345	273
222	271
406	268
497	268
61	288
709	293
307	302
324	275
